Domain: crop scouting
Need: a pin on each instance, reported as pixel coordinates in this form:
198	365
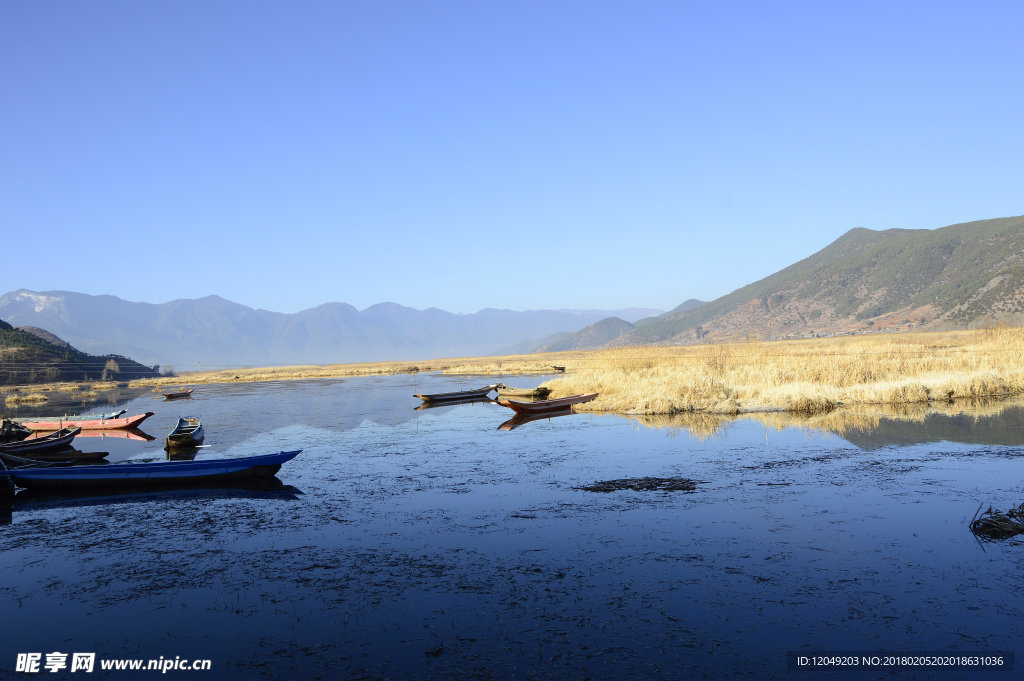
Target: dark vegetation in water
644	485
995	525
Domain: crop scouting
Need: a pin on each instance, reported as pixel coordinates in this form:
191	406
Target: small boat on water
187	433
63	456
542	406
55	441
178	394
452	403
507	391
87	423
460	395
155	474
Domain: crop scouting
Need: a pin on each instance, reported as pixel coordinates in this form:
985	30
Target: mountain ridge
867	280
214	331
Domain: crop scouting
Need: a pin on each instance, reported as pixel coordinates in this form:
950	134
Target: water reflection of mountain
1005	428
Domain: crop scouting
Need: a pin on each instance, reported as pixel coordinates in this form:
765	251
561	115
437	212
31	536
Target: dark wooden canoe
156	474
89	423
57	440
66	455
179	394
460	395
541	406
187	433
452	403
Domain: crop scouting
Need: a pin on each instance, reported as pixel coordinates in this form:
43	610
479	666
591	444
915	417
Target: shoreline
754	377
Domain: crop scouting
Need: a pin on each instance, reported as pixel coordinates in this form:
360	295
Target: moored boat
541	406
460	395
65	456
57	440
88	423
178	394
453	403
187	433
155	474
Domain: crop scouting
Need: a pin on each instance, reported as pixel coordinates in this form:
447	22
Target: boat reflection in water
522	419
126	434
452	403
182	453
268	488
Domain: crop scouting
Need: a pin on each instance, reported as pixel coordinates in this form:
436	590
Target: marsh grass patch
995	525
644	485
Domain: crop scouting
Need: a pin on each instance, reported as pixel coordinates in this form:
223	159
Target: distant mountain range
212	331
896	279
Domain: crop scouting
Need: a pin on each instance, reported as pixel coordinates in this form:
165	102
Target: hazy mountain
601	333
607	332
959	275
213	331
32	355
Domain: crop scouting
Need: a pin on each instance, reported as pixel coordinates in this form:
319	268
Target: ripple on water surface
409	544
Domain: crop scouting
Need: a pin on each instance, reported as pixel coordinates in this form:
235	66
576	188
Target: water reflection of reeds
841	422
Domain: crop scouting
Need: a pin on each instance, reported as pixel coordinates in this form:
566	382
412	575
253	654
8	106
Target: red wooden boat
541	406
89	424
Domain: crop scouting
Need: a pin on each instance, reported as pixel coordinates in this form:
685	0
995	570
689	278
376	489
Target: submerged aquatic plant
644	485
995	525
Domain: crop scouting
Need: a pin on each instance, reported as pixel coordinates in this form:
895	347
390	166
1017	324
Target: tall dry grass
807	376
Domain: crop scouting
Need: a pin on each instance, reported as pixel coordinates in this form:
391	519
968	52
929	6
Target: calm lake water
428	544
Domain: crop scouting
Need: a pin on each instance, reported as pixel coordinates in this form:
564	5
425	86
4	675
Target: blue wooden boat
156	474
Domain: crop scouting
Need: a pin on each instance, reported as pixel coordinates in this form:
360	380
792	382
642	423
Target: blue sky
463	155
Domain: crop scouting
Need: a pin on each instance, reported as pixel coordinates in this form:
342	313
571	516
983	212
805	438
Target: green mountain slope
39	357
958	275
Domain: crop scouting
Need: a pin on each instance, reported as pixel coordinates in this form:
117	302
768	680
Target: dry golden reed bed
806	376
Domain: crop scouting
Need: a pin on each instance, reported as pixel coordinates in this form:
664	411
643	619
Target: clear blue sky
475	154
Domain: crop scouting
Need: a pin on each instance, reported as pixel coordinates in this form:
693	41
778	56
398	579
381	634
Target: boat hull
89	424
157	474
186	434
59	439
461	395
178	395
544	406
